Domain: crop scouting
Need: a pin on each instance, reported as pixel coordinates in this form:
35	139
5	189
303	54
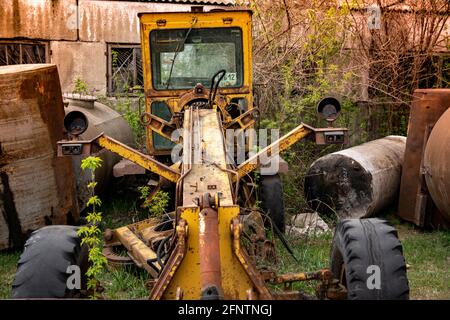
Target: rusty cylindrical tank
436	165
101	119
356	182
36	187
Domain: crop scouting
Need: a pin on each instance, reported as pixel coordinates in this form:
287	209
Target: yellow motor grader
217	243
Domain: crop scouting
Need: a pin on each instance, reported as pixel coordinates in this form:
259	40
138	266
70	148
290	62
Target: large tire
359	243
42	267
271	195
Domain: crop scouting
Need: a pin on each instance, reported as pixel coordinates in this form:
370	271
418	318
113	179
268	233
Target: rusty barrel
436	165
36	187
356	182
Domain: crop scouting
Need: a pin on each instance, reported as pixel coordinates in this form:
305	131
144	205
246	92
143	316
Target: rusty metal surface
281	144
427	107
436	165
209	250
145	161
36	187
206	159
138	251
244	259
173	262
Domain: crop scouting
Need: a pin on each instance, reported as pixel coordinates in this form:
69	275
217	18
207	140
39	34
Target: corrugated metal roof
206	2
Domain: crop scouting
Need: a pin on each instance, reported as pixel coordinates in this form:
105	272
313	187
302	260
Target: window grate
125	68
22	53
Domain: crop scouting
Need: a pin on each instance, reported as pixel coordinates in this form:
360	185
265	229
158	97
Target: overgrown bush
304	51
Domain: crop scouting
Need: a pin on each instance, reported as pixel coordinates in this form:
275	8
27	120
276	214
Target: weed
90	234
157	204
80	87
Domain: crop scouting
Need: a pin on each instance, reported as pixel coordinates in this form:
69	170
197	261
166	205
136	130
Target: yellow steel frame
236	281
184	20
281	144
145	161
180	277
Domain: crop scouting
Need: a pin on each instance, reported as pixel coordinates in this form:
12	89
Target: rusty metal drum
36	187
436	165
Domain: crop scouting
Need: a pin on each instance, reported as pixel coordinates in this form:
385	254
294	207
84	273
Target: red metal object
436	167
415	203
209	248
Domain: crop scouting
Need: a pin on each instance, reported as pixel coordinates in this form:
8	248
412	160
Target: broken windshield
178	65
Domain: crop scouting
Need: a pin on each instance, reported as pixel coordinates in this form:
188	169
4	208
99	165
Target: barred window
22	52
124	68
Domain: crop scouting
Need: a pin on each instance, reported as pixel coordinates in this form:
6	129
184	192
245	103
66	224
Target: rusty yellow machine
217	243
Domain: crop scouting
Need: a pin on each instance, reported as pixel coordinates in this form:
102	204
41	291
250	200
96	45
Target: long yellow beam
139	158
281	144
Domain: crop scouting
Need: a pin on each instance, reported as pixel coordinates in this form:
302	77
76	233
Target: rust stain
33	110
16	16
16	236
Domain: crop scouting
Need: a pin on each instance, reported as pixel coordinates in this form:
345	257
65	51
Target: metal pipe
357	182
209	252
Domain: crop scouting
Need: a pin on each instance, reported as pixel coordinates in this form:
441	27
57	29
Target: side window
23	53
124	68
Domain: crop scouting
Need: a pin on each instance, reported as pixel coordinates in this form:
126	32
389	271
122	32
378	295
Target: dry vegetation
305	50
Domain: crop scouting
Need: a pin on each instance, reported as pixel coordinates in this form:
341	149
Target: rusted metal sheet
357	182
427	107
36	187
38	19
204	127
436	168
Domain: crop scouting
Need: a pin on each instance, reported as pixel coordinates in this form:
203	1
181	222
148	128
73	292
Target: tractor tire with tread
272	203
359	243
42	267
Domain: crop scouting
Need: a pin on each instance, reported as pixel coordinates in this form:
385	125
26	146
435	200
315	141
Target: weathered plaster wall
84	60
78	37
38	19
118	21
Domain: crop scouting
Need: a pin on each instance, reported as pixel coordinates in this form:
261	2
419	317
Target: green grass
8	263
123	284
426	253
312	254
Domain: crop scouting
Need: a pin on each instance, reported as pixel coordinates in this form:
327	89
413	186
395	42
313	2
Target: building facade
95	41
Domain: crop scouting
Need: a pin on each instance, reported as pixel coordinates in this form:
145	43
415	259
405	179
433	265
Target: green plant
80	87
132	117
155	205
90	234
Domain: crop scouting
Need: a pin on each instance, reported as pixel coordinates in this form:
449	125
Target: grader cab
216	244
